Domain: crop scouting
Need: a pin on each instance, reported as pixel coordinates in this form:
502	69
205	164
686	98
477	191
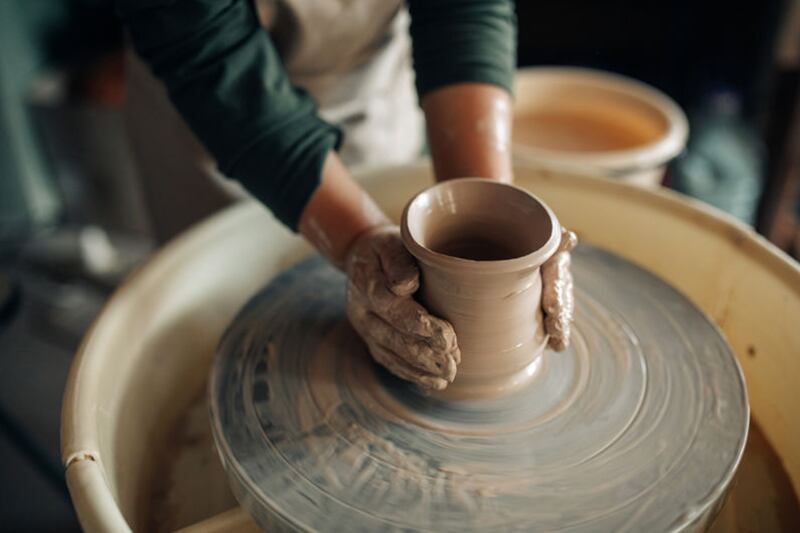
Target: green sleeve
457	41
224	76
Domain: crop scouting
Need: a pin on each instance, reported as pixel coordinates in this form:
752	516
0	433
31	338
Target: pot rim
532	260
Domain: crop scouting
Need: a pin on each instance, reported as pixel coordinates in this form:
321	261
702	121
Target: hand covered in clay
400	334
558	301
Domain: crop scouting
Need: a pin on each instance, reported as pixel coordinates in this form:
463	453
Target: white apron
352	56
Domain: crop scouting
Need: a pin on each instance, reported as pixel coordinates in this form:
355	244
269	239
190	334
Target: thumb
399	266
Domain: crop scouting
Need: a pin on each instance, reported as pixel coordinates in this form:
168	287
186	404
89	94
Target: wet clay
558	300
399	333
638	426
480	245
761	497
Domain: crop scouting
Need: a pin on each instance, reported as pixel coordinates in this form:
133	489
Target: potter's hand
558	301
348	228
400	334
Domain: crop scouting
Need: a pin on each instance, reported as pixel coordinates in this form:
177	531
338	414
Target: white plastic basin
135	442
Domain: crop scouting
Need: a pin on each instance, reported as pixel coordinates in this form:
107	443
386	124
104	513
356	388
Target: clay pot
480	244
596	123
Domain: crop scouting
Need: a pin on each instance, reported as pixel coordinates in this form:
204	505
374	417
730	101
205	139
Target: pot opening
479	220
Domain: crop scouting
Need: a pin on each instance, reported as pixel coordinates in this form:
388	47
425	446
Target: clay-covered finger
399	267
368	277
364	322
365	275
394	364
416	352
563	319
356	313
364	270
358	316
455	353
568	241
380	266
410	318
451	365
558	299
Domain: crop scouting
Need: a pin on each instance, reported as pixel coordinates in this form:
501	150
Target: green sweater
224	76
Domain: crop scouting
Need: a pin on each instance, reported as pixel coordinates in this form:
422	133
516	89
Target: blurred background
76	218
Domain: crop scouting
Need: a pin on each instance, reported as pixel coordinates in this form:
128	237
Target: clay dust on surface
761	498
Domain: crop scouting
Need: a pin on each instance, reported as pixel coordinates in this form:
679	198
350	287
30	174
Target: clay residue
399	333
762	497
190	484
558	301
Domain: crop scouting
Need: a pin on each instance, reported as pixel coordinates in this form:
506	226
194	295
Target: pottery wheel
638	426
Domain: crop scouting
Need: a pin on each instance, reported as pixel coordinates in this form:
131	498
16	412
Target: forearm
469	131
464	58
338	212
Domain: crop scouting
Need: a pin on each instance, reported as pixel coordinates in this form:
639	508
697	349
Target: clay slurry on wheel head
479	244
637	426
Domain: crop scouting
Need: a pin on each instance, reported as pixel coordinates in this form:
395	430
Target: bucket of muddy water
136	438
595	123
